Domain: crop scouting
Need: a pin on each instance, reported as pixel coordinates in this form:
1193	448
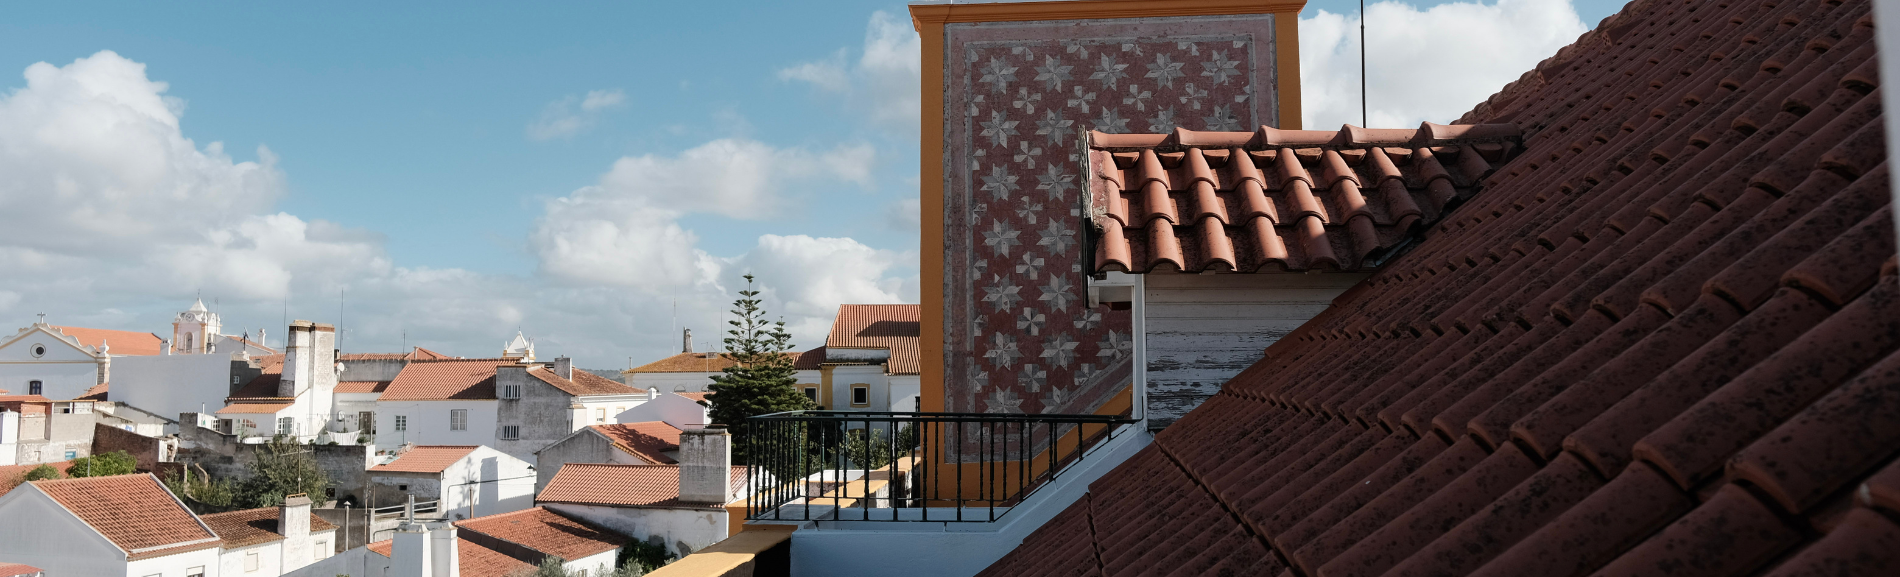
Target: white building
642	443
271	541
691	372
81	527
496	545
869	363
687	506
467	481
66	362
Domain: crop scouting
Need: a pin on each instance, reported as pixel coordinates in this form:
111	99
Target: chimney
442	545
706	465
293	522
564	367
409	551
686	341
297	357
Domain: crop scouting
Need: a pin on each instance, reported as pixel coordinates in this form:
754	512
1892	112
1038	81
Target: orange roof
444	380
263	386
547	532
362	386
621	485
13	475
253	408
422	354
254	526
135	512
647	440
472	559
694	363
17	570
426	459
892	327
250	342
96	393
700	397
583	383
122	343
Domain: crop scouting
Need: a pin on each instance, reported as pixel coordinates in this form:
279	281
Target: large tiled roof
1661	341
583	383
122	343
460	379
17	570
254	526
892	327
135	512
1279	200
621	485
96	393
258	408
263	386
12	476
548	532
426	459
697	363
362	386
648	440
471	558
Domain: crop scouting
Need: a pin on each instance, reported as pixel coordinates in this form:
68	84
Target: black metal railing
879	466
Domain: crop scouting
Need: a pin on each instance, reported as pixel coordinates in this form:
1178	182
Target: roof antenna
1362	65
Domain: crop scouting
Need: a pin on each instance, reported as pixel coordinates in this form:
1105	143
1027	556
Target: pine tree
763	378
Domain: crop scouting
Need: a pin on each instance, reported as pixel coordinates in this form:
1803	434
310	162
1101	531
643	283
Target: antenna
1363	123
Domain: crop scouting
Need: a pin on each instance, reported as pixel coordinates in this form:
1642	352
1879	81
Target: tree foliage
552	566
282	469
203	494
103	465
42	473
763	378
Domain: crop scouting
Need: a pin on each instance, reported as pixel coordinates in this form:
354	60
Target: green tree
201	493
104	465
551	566
282	468
762	380
42	473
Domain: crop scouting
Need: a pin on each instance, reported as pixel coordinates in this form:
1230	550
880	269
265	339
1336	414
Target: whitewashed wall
675	410
172	384
1201	330
64	372
177	564
270	558
429	423
490	481
682	530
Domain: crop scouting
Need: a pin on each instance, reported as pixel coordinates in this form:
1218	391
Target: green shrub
42	472
104	465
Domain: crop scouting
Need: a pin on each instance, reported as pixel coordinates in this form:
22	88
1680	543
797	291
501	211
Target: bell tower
195	330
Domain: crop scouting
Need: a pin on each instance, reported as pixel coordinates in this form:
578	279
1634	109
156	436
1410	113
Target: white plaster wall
843	355
172	384
593	564
666	382
9	437
490	481
270	558
842	379
613	404
675	410
358	562
177	565
429	423
55	541
63	379
904	392
692	528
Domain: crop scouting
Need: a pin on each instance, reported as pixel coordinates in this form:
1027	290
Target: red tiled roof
1662	340
254	526
422	354
426	459
697	363
547	532
362	386
892	327
444	380
263	386
472	559
811	360
96	393
253	408
1279	200
621	485
649	440
583	383
122	343
699	397
13	475
135	512
16	570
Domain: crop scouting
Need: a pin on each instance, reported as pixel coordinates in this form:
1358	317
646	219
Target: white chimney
706	465
564	367
442	541
424	550
293	522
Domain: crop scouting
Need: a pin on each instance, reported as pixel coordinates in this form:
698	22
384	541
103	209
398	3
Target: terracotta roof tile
648	440
135	512
253	408
548	532
96	393
583	383
254	526
710	363
422	354
621	485
122	343
701	397
362	386
17	570
426	459
471	558
245	341
12	476
1661	336
263	386
891	327
444	380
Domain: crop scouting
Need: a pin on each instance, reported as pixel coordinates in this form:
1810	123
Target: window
250	561
511	391
367	420
811	393
402	487
458	419
198	571
860	395
287	425
600	416
402	422
679	388
35	388
322	550
510	432
234	379
39	350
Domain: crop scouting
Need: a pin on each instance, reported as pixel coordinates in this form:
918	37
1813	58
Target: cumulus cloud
1417	72
883	82
574	114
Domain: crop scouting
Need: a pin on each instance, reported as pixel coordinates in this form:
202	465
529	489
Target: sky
594	175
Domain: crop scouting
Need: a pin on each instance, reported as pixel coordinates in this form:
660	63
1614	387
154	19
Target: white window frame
402	422
511	432
286	426
600	416
458	419
322	551
252	561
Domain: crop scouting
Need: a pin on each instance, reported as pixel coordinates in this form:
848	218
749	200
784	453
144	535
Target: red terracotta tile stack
1662	340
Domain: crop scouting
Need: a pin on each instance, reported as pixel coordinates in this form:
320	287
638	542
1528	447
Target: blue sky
438	142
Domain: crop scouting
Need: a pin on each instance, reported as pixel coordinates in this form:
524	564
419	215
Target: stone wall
147	450
542	413
225	457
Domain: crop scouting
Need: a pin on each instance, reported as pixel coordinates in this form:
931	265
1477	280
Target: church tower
194	331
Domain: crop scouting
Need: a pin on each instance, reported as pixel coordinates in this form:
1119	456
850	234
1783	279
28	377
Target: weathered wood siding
1201	330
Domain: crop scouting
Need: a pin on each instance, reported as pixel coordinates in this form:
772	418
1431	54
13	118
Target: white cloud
883	84
1416	71
904	215
806	278
574	114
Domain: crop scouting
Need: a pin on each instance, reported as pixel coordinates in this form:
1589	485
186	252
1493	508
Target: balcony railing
876	466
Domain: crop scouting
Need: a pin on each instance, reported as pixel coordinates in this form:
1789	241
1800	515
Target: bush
105	465
642	556
42	472
202	493
551	567
282	468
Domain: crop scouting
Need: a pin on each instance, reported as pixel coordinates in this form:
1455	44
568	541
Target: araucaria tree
761	382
